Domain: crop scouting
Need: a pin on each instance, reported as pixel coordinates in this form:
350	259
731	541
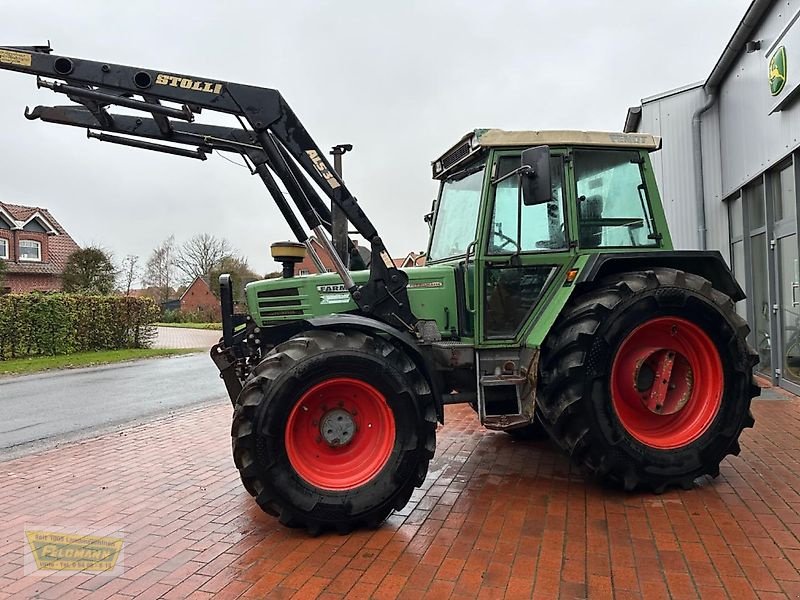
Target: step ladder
506	397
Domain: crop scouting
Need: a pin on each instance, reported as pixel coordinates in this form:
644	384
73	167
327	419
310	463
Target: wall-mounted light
752	46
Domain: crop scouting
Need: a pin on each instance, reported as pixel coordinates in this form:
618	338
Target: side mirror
428	217
535	176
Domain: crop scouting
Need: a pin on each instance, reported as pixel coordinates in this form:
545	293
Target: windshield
457	216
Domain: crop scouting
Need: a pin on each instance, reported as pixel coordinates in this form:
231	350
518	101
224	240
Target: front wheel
647	379
333	430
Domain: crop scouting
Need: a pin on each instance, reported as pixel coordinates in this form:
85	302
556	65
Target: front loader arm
278	132
205	137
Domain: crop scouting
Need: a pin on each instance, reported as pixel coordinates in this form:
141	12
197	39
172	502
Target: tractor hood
431	290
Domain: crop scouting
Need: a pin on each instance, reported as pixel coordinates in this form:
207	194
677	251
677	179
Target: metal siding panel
741	139
671	118
651	123
751	138
716	209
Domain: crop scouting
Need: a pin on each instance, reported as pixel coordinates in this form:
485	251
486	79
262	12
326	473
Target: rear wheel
647	379
333	430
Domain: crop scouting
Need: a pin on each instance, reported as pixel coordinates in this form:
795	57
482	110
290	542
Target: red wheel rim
340	434
667	382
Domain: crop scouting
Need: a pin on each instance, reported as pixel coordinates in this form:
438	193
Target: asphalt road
44	410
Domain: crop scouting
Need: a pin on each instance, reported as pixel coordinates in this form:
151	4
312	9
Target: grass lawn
215	326
20	366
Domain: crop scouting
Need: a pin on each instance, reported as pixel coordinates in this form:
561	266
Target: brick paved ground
495	517
179	337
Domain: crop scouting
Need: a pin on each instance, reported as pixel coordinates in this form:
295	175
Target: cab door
521	251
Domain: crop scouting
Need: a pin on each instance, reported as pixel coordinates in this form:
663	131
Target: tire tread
248	405
571	347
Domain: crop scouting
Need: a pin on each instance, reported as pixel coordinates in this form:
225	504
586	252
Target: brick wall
306	267
17	283
200	297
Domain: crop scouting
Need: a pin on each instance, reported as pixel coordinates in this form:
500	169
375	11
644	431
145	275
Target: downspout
699	187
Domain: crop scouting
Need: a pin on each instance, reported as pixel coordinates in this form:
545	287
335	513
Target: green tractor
552	302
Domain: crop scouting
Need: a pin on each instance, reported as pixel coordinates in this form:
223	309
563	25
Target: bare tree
129	273
240	272
159	272
199	255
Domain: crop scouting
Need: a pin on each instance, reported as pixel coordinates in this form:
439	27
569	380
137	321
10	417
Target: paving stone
495	517
183	337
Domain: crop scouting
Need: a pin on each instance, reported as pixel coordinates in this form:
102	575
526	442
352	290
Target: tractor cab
515	210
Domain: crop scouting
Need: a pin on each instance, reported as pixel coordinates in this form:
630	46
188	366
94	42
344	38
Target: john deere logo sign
777	71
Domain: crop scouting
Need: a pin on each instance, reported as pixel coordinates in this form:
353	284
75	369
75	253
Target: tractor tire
646	379
334	430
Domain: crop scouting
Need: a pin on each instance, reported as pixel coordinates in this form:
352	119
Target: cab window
518	228
613	208
457	215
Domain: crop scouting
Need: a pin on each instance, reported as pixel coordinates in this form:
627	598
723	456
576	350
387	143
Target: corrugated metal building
728	168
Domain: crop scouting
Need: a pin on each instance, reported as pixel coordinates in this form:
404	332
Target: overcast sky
401	81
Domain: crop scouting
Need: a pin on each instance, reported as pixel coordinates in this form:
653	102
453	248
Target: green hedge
190	316
48	324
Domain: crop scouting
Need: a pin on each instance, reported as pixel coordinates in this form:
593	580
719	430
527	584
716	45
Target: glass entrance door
789	309
759	298
787	276
756	218
765	255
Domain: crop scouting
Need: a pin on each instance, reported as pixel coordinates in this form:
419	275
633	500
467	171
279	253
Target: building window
782	193
754	205
3	248
30	250
736	223
303	272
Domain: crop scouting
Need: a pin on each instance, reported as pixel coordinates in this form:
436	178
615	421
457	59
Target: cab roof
500	137
496	138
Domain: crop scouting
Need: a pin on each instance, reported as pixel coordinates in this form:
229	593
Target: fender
276	334
706	263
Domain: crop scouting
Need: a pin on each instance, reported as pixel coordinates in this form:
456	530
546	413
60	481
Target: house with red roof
34	247
412	259
198	297
307	267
